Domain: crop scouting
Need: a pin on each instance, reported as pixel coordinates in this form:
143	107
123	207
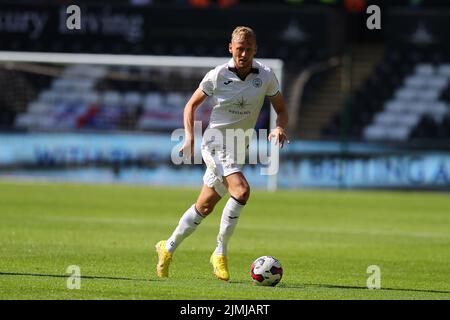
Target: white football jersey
236	102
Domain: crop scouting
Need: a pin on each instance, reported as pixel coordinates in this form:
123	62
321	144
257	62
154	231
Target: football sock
228	222
187	224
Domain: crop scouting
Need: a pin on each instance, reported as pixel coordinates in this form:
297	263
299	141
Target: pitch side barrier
146	159
364	165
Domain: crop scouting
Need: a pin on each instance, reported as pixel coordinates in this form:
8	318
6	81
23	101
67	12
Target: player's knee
205	208
242	193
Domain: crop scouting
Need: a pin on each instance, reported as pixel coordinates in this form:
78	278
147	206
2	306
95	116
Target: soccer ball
266	271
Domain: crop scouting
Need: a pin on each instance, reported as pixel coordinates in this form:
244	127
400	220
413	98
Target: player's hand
187	150
279	135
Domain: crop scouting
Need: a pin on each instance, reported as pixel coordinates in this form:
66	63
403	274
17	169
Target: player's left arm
278	133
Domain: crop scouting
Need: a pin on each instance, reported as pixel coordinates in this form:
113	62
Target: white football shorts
219	164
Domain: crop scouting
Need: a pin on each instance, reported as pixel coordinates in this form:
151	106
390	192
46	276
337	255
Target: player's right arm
188	119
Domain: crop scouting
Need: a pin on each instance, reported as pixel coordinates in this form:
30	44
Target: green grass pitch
325	241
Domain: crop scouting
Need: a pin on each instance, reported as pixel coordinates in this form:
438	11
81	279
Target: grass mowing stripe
232	282
324	239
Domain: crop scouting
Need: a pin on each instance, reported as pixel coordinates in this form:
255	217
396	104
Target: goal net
91	111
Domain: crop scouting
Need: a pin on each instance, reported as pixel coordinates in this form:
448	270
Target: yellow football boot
164	259
220	265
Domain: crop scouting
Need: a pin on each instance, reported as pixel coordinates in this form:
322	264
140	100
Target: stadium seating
84	97
404	97
130	98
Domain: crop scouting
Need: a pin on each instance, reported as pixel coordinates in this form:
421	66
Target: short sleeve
273	86
207	85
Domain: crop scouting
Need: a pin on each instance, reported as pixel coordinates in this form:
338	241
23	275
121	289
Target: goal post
15	60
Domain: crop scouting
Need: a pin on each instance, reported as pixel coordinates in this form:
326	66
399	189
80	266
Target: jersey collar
233	69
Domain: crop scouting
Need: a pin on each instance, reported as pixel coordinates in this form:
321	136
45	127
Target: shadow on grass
281	286
66	276
332	286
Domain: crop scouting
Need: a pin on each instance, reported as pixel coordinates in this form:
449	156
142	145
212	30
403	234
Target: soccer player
238	89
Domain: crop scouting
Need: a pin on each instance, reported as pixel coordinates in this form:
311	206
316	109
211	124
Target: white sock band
228	222
187	224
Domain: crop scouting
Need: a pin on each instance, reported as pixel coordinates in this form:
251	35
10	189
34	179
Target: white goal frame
142	60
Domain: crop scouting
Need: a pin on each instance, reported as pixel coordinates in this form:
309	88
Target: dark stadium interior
343	82
325	31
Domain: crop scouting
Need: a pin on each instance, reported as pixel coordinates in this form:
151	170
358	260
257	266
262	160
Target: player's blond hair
243	33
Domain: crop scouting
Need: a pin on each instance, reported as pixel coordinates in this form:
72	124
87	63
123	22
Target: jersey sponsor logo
239	112
257	82
241	103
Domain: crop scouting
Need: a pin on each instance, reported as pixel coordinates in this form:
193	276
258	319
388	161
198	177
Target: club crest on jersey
257	82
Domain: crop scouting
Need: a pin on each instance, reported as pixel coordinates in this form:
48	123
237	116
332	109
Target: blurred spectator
199	3
141	2
355	6
207	3
295	1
